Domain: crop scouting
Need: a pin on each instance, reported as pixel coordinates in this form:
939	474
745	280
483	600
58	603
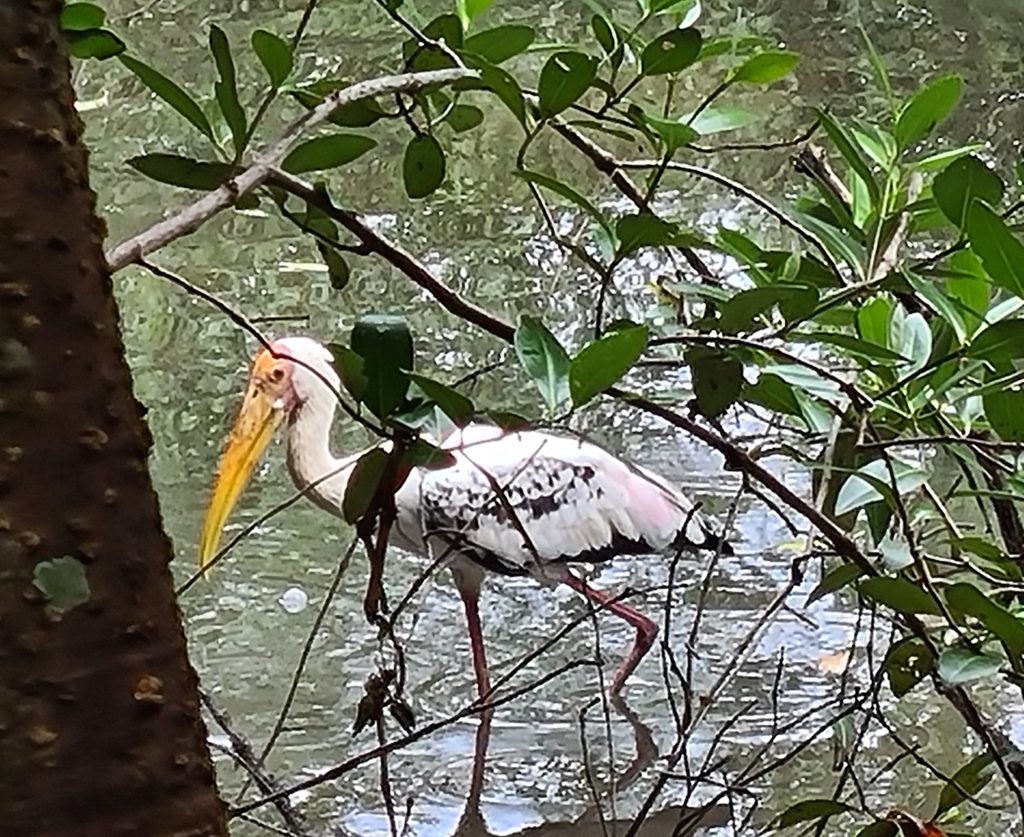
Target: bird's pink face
269	398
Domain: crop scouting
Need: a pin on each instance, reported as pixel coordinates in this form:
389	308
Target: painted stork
575	502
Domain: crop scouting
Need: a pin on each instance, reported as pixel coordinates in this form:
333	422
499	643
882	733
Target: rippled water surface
482	235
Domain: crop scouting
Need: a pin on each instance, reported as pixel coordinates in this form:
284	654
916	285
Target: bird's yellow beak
259	417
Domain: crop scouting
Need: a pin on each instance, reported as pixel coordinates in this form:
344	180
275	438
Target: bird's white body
515	503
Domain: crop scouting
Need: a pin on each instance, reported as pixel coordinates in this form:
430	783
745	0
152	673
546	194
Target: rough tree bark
100	729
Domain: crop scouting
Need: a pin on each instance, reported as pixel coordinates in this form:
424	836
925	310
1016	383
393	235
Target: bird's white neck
310	460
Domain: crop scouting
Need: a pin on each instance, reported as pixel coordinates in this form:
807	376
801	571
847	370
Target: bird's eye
276	374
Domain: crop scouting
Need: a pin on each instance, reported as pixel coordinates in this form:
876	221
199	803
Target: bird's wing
513	500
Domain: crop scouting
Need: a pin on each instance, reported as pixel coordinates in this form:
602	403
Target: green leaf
500	43
604	32
717	379
968	599
773	393
226	89
941	159
1002	341
337	267
899	594
79	16
274	54
1004	404
896	553
873	321
670	52
601	363
715	119
326	152
94	43
835	579
862	487
385	345
811	809
182	171
854	345
464	117
673	132
569	194
469	9
62	581
170	92
454	404
643	229
880	828
506	88
544	360
961	665
764	67
927	108
956	187
972	778
907	663
563	79
422	454
423	166
1000	251
349	367
363	484
847	146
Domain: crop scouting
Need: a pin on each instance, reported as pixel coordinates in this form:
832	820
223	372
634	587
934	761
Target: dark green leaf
856	346
363	484
643	230
873	321
670	52
601	363
851	152
455	405
569	194
1004	408
500	43
961	665
968	599
78	16
357	114
423	166
337	267
774	394
326	152
182	171
170	92
970	778
505	88
507	420
765	67
1000	251
385	345
956	187
907	662
275	55
62	581
811	809
544	360
349	366
1000	342
226	89
422	454
717	379
94	43
464	117
899	594
605	33
881	828
926	109
563	79
834	580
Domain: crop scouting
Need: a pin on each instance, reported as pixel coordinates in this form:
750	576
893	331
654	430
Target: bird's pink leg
646	629
470	601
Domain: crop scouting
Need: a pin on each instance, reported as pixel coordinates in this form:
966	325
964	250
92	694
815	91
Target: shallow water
481	234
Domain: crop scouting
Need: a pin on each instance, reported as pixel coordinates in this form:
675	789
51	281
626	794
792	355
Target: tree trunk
100	729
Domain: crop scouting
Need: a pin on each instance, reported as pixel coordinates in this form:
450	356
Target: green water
482	235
